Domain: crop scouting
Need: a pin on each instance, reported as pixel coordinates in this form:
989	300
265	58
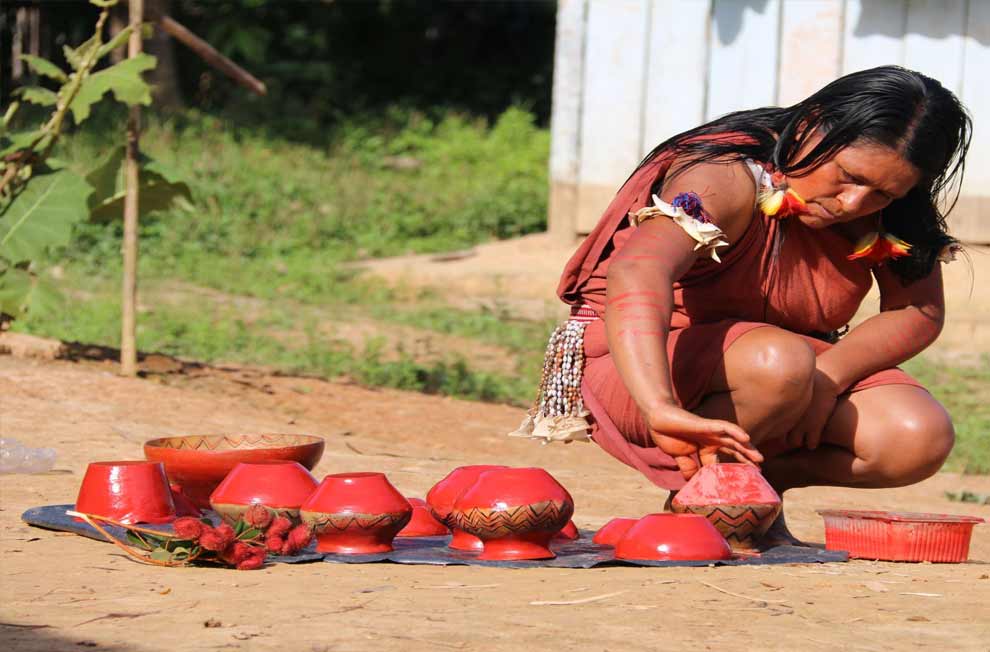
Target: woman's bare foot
779	535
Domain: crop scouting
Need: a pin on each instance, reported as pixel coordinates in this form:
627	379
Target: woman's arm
638	307
910	319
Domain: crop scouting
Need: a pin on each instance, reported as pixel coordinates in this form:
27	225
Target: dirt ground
63	592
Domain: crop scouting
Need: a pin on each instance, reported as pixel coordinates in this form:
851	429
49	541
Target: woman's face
861	179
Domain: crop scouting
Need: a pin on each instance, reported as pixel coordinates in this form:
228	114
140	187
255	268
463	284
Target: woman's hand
807	432
682	434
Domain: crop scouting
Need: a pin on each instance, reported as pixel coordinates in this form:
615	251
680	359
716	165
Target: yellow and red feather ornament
877	247
777	200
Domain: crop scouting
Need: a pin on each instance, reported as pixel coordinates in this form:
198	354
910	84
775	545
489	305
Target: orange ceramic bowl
198	463
681	537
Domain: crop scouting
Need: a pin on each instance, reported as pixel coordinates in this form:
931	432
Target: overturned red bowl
680	537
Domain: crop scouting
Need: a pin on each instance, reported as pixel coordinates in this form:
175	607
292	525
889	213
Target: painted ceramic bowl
663	537
734	498
355	513
445	493
610	533
515	512
198	463
280	486
568	533
128	491
422	523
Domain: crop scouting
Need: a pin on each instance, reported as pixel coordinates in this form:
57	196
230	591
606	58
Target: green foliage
158	186
122	79
41	201
965	393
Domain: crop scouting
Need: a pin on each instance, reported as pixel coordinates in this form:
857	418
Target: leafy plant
41	199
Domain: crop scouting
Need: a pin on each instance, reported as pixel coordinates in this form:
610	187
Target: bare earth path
62	592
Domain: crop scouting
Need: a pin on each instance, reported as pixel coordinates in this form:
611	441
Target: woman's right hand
682	435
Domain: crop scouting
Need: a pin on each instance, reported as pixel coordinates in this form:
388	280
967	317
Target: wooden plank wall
631	73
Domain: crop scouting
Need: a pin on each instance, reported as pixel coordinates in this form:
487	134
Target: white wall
630	73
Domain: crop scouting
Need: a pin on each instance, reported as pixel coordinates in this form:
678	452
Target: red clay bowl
198	463
445	493
355	513
735	498
129	492
515	512
663	537
281	486
568	533
611	532
422	523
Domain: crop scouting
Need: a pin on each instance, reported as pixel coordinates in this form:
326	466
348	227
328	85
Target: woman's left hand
807	432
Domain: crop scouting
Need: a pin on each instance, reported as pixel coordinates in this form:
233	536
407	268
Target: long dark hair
891	106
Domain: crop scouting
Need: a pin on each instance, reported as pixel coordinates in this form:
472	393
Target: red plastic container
899	536
127	491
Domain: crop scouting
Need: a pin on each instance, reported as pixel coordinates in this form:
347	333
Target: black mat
581	553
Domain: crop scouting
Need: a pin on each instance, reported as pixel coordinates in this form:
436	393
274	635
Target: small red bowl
899	536
281	486
355	513
667	537
422	523
611	532
568	533
198	463
129	492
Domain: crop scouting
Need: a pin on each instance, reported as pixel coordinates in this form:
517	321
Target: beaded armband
686	212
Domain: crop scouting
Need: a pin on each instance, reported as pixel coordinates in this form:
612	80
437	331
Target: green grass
965	393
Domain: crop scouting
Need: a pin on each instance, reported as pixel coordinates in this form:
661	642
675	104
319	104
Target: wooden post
128	346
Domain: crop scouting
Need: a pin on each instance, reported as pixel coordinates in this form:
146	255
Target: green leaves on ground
158	186
122	79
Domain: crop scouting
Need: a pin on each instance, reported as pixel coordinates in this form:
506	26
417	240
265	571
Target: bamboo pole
209	54
128	346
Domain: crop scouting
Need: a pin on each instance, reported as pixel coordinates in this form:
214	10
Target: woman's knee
777	365
914	445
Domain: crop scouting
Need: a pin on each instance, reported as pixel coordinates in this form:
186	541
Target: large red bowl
682	537
129	492
515	512
445	493
355	513
198	463
281	486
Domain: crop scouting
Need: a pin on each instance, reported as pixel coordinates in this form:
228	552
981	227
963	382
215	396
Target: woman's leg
764	383
886	436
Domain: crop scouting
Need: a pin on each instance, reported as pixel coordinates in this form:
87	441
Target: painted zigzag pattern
550	515
738	523
233	442
351	521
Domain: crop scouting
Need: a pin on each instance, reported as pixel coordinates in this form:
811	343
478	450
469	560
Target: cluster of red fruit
261	531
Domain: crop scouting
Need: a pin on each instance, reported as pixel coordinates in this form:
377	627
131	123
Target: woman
713	291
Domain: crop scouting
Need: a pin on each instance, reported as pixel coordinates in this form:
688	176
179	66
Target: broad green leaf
37	95
136	541
239	527
11	143
158	188
161	554
42	215
118	40
250	533
44	67
122	79
15	291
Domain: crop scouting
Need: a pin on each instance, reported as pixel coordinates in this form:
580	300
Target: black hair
890	106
